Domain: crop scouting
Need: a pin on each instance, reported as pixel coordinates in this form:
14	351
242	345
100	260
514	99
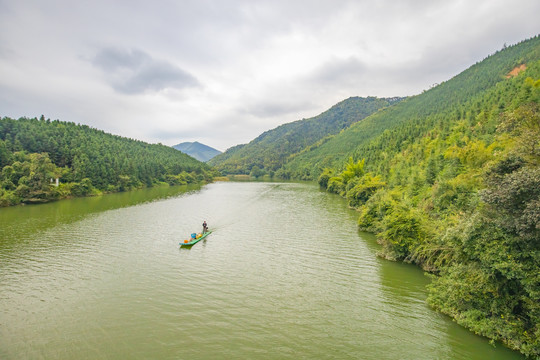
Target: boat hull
193	242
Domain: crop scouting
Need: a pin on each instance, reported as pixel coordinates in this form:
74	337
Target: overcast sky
222	72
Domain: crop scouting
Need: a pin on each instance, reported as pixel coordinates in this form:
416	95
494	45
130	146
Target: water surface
284	275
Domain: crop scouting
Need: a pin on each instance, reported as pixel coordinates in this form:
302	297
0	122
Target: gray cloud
134	71
340	72
272	108
240	67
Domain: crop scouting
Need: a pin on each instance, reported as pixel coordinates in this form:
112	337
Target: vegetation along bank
43	160
448	179
456	190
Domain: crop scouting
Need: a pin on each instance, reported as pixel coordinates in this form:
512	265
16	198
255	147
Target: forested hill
450	180
272	149
412	116
86	161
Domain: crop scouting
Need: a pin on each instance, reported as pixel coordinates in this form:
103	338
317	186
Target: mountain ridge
448	94
197	150
271	150
449	180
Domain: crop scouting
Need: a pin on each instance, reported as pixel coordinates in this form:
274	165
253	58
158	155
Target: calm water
284	276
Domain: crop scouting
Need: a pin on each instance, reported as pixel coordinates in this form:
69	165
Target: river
284	275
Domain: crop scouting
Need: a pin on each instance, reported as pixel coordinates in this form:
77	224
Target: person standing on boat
204	227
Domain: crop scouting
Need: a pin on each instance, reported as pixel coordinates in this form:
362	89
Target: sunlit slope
454	187
271	149
414	111
85	161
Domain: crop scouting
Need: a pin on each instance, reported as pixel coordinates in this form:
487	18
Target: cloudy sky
221	72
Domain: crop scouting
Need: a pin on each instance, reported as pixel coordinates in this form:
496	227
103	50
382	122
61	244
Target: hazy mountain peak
197	150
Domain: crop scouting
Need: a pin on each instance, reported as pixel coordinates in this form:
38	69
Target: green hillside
86	161
415	114
271	150
450	180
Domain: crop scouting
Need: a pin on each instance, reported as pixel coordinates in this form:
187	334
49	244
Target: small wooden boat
196	240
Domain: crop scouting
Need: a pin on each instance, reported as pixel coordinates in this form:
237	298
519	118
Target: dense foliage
272	149
34	153
372	137
454	187
449	180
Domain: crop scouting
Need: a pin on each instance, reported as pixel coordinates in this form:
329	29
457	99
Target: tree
325	177
366	186
4	154
256	172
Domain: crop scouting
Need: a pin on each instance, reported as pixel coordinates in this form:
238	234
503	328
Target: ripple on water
283	275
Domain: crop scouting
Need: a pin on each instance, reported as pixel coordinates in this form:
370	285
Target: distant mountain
197	150
272	149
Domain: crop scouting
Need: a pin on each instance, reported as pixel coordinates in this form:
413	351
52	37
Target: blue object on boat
193	235
195	240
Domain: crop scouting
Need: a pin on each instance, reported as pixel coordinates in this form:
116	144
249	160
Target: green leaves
457	191
402	231
516	199
272	150
87	161
352	170
325	177
363	189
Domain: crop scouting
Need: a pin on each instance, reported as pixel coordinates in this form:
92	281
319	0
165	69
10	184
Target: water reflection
19	221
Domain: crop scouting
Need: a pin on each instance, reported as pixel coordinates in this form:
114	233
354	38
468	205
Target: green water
284	275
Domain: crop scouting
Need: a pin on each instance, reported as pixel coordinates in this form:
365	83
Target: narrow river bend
283	276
